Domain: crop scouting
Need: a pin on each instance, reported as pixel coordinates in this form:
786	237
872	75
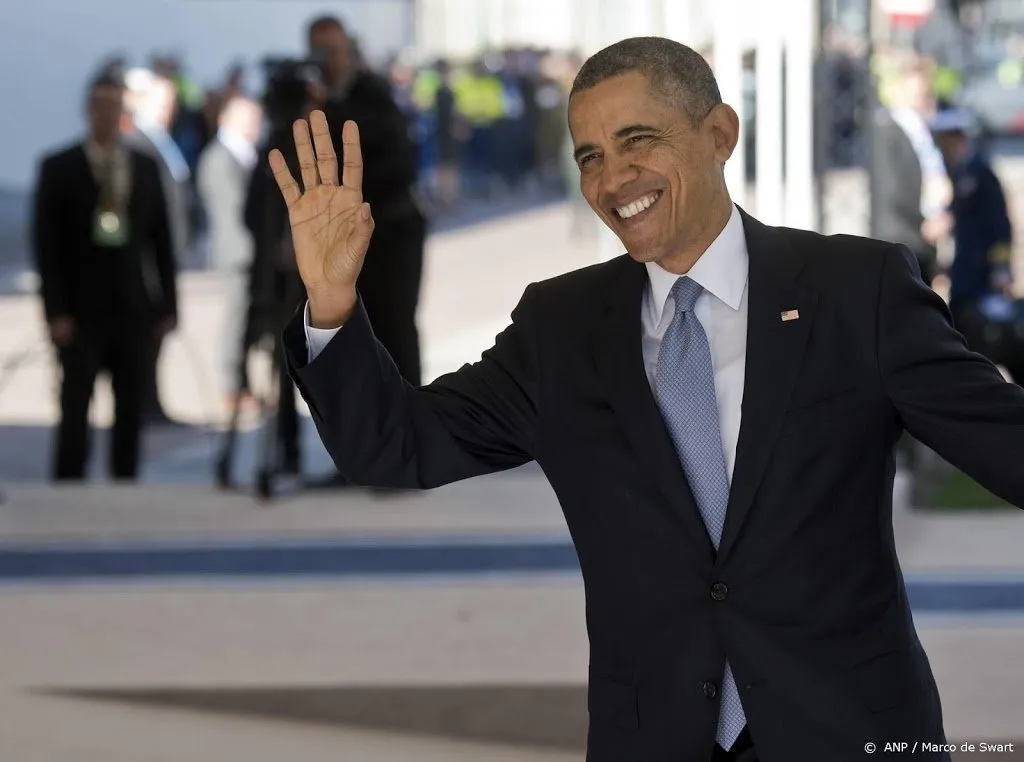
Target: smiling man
716	410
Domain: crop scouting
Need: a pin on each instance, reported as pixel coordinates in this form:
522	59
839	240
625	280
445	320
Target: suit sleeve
951	399
46	246
383	432
162	240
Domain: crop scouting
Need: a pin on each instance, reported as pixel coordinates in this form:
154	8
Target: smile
639	206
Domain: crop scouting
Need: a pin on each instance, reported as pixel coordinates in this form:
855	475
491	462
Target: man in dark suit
716	412
390	281
99	209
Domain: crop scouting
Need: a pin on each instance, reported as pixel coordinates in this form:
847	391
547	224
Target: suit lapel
618	355
775	349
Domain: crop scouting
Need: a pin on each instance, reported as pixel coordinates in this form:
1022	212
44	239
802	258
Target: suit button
710	689
719	592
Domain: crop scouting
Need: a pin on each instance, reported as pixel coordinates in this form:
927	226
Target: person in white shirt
223	175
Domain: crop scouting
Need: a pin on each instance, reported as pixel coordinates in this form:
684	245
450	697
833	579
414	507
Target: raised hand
331	224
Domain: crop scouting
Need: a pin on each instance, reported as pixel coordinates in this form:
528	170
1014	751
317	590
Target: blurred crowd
484	128
173	174
489	126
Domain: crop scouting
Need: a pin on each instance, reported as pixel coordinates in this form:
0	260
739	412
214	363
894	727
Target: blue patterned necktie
685	390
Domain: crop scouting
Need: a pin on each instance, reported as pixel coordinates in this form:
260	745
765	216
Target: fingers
285	181
352	171
304	148
326	159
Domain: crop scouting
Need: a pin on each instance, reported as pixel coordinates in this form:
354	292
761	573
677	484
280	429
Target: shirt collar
97	153
721	269
239	147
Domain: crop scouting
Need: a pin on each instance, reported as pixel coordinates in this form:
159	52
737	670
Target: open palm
331	224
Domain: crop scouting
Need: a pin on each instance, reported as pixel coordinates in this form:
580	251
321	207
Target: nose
616	172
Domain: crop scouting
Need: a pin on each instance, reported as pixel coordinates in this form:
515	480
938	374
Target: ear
724	125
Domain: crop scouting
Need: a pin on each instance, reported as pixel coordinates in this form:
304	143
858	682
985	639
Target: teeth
631	210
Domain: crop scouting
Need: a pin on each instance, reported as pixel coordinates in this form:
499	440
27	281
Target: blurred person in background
390	281
512	140
449	131
582	221
152	103
910	186
99	214
983	234
551	130
274	287
223	177
480	100
191	132
188	128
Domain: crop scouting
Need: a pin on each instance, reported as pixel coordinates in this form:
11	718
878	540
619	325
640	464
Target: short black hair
324	22
108	77
675	72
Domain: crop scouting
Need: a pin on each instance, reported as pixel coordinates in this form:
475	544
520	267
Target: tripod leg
224	462
267	455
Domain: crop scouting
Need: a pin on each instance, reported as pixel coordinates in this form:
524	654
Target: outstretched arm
951	399
382	432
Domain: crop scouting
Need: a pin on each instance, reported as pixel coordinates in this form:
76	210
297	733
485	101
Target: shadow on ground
552	717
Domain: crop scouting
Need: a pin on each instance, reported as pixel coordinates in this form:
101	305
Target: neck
681	261
107	143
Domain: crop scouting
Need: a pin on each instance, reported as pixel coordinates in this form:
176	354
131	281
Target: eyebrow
625	132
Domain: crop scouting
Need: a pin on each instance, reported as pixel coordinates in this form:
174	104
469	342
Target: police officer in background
982	232
390	280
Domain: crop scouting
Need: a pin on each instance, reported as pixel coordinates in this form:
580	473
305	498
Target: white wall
49	48
463	27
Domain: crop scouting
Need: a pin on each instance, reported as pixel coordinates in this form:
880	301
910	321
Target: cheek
589	187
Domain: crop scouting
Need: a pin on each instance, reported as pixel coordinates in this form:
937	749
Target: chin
642	255
643	250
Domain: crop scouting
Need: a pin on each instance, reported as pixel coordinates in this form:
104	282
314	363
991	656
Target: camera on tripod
290	82
275	287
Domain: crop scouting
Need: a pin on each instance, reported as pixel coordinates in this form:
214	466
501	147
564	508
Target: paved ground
112	590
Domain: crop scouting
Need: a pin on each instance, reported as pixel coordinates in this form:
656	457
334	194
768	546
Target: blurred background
224	595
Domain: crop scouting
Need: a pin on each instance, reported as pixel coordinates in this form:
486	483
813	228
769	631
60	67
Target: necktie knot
685	293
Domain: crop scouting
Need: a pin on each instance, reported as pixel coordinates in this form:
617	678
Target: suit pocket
614	700
887	680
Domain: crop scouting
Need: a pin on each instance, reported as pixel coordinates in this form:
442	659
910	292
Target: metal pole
770	185
727	47
800	183
608	244
412	31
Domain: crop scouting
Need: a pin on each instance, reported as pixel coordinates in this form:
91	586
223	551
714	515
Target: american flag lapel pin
788	315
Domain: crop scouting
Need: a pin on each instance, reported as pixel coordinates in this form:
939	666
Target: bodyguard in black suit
781	633
390	281
99	206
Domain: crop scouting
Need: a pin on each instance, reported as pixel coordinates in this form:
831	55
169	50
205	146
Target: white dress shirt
722	310
121	169
243	150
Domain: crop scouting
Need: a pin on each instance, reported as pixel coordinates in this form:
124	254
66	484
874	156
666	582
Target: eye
635	139
586	159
